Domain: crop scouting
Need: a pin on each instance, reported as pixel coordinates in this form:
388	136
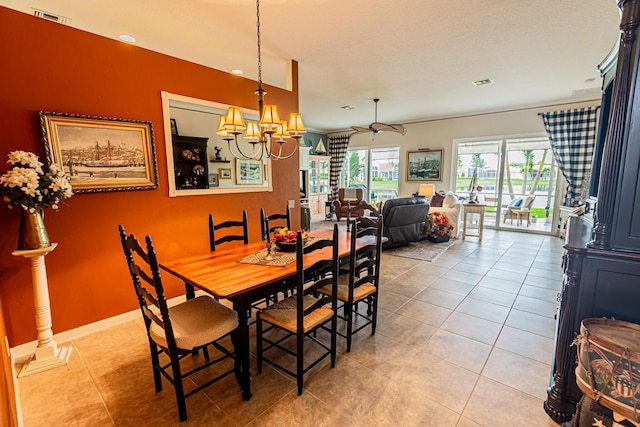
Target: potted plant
438	228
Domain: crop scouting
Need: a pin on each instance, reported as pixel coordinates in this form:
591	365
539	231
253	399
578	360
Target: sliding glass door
484	158
516	179
530	176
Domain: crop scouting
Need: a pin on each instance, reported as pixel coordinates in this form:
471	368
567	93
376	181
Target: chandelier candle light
261	133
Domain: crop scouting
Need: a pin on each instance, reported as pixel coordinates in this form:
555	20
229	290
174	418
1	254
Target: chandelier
266	137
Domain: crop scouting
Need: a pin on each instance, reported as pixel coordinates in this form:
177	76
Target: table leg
189	290
464	226
242	305
481	226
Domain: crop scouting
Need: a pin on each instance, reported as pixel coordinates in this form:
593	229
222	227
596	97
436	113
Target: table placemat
282	259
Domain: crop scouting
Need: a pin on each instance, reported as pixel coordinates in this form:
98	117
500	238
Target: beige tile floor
464	341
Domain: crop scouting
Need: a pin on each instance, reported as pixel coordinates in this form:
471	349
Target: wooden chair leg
300	361
374	319
334	332
349	317
177	379
155	363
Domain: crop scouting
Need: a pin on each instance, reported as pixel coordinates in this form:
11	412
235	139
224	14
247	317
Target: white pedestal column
47	354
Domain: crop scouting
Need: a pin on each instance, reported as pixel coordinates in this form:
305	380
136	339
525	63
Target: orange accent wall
50	67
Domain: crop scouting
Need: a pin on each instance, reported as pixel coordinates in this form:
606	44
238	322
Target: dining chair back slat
213	227
266	222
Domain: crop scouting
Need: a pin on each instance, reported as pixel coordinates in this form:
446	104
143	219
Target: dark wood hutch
602	258
190	162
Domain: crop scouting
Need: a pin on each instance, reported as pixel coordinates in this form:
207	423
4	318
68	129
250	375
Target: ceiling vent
51	17
482	82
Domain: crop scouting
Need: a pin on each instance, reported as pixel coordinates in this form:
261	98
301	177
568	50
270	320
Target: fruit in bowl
286	239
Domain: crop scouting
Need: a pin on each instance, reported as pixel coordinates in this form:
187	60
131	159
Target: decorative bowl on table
285	240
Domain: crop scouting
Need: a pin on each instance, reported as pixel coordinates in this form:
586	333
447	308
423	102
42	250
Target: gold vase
33	234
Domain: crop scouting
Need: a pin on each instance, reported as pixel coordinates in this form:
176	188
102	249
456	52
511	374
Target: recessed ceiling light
482	82
127	38
348	107
236	72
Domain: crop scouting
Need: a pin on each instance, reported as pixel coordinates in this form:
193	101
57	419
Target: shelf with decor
190	162
319	188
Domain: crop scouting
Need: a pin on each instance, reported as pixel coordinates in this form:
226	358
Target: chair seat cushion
359	293
283	314
196	322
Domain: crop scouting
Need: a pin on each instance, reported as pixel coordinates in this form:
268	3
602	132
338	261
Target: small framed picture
248	172
214	180
174	127
225	173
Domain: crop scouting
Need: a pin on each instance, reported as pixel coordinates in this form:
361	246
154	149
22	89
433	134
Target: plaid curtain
572	134
338	150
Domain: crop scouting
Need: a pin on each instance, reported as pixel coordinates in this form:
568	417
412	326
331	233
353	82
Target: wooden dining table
221	275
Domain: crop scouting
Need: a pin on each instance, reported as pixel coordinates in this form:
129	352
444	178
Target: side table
47	354
521	214
473	208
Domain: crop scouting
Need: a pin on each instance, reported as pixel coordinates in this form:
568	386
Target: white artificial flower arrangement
28	186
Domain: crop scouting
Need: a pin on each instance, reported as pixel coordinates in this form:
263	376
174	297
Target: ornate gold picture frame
101	154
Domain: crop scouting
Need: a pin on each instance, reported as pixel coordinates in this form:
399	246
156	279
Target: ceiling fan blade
383	127
359	129
398	128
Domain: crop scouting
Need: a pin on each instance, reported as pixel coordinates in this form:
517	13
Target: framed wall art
424	165
214	180
249	172
101	154
225	173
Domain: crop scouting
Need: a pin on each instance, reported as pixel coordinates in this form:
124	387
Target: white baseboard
22	352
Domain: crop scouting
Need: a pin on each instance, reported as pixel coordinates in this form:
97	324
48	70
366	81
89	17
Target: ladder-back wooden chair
361	284
301	315
180	330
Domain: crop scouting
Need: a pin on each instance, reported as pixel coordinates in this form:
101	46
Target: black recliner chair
404	220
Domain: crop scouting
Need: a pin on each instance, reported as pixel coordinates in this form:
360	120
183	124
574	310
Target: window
375	170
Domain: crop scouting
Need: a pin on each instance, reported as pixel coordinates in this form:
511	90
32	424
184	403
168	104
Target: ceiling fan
377	127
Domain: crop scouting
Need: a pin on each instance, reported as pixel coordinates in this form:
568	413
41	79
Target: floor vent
51	17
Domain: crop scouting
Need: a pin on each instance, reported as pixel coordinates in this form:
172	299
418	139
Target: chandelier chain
259	46
232	124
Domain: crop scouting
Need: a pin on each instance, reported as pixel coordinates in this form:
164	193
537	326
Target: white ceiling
418	56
